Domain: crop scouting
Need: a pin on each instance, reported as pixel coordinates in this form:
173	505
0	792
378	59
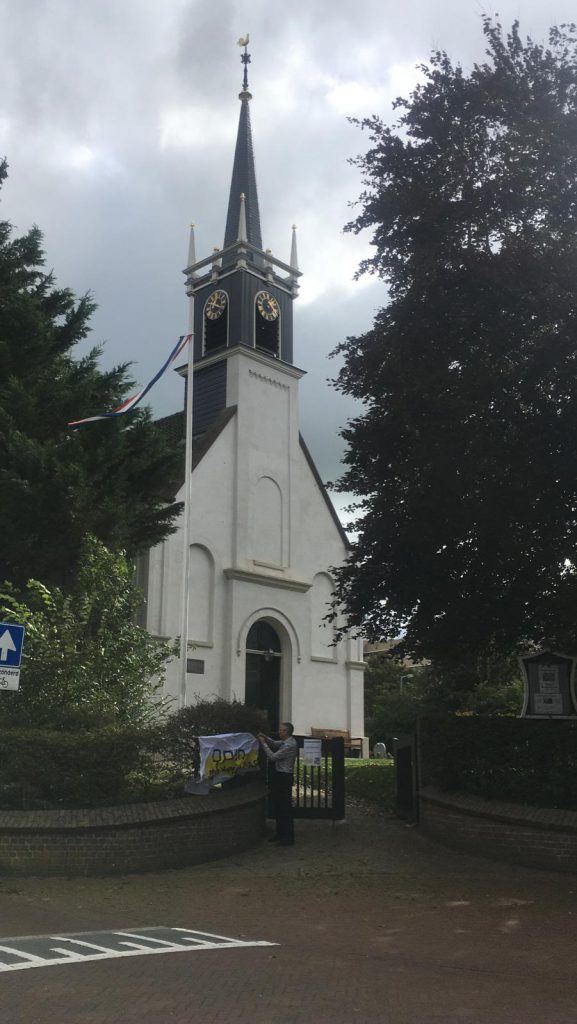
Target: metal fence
319	792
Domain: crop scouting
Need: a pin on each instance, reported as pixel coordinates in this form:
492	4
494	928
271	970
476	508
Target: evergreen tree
464	455
115	479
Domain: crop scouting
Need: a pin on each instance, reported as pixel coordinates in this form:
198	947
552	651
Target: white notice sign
549	679
548	704
9	678
312	752
549	686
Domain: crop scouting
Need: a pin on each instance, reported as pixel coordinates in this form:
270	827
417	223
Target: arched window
215	321
267	323
266	503
200	594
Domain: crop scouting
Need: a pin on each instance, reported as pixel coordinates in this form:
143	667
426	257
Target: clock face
216	305
267	306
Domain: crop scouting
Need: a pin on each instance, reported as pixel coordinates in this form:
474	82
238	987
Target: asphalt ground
368	921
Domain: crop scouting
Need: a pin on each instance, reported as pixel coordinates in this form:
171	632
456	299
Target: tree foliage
384	675
114	479
464	455
396	695
85	661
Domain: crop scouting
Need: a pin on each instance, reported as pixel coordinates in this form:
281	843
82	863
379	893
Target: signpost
11	641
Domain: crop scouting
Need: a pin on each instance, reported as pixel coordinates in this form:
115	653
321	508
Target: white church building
263	533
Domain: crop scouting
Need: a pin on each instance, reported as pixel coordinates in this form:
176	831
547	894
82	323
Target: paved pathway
373	923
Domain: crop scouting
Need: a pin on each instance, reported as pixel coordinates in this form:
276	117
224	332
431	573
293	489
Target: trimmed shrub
371	780
86	761
45	768
518	759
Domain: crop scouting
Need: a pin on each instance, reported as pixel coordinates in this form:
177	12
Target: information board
548	685
312	752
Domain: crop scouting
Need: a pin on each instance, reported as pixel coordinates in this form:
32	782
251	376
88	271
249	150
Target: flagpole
187	488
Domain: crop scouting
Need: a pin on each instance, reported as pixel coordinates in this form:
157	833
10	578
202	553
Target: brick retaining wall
533	836
132	838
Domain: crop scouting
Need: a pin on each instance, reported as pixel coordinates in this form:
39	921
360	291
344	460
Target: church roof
172	427
243	178
325	494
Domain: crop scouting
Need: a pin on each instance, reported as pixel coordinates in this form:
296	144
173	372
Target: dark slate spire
243	175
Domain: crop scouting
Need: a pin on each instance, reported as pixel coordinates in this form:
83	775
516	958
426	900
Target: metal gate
319	792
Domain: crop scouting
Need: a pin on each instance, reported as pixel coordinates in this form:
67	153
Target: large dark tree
465	454
111	479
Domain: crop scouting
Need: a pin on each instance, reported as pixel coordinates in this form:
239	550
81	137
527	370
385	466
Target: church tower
243	295
263	532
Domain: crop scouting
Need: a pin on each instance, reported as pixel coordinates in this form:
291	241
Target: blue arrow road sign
11	640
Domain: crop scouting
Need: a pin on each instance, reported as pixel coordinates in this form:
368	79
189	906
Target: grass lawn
371	780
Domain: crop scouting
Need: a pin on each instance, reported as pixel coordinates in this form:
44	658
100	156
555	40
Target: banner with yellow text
221	758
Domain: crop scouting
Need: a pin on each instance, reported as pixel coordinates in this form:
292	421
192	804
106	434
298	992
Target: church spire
243	173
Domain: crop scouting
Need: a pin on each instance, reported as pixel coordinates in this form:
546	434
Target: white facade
263	534
263	539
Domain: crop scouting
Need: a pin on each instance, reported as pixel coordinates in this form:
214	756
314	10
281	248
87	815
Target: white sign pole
187	489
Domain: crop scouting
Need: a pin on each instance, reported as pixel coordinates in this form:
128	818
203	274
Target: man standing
282	754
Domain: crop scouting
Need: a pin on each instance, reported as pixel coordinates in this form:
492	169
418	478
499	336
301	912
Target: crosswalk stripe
186	941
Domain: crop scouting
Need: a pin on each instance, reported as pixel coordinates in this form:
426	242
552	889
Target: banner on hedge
222	757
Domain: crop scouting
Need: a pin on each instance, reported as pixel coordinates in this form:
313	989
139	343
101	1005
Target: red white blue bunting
130	403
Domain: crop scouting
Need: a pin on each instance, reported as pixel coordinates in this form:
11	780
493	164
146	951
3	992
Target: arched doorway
263	670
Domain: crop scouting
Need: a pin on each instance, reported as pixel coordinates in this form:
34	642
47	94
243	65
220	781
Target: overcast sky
118	118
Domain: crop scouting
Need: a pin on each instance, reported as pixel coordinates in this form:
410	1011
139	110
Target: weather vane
245	58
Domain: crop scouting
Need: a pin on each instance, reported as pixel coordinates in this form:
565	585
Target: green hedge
518	759
372	780
84	761
47	768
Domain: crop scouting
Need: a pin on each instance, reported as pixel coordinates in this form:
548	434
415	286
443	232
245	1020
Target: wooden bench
353	746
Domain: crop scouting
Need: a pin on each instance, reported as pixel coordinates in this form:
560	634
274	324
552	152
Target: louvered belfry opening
267	334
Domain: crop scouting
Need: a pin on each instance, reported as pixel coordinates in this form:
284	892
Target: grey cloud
80	78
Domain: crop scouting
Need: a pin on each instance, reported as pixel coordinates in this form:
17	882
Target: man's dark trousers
281	784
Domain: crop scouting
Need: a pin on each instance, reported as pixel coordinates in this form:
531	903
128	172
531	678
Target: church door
263	668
